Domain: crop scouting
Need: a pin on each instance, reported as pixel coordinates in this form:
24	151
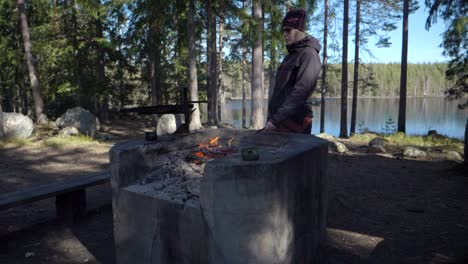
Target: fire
212	150
200	154
214	142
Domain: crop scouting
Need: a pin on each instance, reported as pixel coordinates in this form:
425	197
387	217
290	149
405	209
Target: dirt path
382	209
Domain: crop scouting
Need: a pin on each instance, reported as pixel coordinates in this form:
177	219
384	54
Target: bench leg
71	206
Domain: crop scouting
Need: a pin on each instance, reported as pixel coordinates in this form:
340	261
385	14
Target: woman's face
290	35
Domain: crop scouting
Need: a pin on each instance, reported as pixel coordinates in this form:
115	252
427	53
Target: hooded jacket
295	81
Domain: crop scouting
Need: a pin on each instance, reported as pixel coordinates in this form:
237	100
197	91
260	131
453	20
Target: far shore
359	97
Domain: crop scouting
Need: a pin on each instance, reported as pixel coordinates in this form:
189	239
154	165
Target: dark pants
294	127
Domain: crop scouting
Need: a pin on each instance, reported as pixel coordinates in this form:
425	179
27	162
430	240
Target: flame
200	154
229	142
214	142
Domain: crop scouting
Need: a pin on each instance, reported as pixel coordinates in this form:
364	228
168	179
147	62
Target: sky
423	45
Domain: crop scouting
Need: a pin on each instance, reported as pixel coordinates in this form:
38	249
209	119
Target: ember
211	150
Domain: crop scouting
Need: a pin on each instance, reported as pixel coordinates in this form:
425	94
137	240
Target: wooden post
466	143
187	113
71	206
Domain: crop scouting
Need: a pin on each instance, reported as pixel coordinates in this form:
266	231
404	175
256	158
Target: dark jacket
295	81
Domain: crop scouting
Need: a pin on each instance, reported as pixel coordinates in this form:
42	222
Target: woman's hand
269	126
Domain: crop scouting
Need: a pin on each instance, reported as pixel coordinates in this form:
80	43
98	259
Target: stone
454	155
238	212
337	146
413	152
376	149
83	120
326	136
166	124
69	131
378	141
2	124
17	126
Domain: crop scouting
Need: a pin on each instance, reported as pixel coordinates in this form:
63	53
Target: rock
81	119
378	141
337	146
69	131
376	149
454	155
166	125
29	254
413	152
432	133
326	136
17	125
2	124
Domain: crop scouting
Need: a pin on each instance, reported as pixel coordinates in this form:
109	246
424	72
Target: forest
105	55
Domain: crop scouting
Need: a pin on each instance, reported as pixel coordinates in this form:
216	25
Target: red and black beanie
296	19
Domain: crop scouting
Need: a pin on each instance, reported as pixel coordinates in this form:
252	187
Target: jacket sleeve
307	75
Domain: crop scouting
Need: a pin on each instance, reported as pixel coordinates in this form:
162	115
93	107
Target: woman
296	78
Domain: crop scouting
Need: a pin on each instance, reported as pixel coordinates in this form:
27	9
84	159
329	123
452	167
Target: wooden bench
70	195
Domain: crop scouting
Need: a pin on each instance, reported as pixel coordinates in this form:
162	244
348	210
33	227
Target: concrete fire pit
176	201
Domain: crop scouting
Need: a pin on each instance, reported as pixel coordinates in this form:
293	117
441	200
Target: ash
175	179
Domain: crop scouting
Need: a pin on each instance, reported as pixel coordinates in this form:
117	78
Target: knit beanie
296	19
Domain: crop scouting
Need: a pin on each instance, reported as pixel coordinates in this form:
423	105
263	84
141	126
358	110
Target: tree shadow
388	210
89	241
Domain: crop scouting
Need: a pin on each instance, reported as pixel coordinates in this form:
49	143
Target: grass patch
423	141
68	141
401	139
17	142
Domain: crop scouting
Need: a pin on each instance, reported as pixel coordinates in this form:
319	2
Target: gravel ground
382	209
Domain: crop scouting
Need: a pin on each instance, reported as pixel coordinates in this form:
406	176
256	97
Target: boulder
454	155
166	124
378	141
69	131
2	124
376	149
81	119
326	136
337	146
17	125
413	152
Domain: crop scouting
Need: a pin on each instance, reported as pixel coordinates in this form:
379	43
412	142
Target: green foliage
455	42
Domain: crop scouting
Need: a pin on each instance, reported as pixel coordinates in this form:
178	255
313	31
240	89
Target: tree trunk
257	69
101	107
356	67
344	74
273	55
404	70
195	122
212	63
324	70
220	86
244	87
38	103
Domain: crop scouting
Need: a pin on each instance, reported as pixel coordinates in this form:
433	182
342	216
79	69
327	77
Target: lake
379	115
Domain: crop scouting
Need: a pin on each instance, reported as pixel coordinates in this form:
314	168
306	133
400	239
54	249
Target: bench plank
12	199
